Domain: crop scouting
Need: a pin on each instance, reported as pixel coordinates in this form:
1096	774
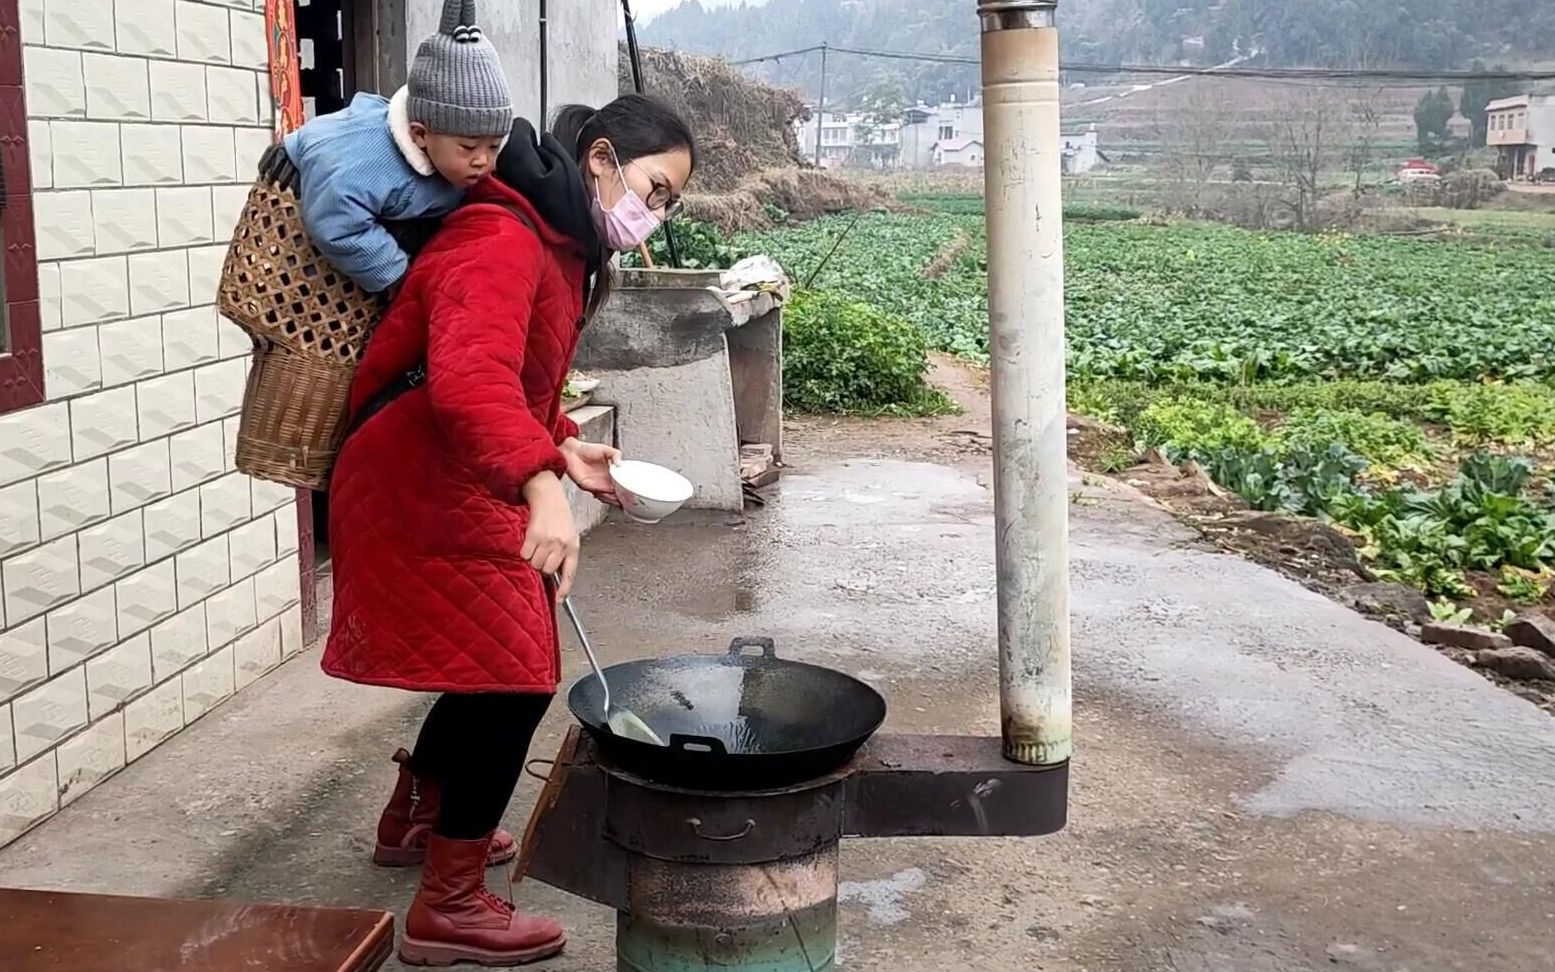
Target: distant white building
834	133
1522	129
963	152
850	138
920	130
926	137
1081	151
924	127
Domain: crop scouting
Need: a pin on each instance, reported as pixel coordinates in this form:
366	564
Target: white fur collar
399	127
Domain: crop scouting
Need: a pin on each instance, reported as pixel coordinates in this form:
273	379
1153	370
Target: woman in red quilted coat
447	515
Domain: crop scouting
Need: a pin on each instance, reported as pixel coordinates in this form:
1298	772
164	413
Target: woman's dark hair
635	126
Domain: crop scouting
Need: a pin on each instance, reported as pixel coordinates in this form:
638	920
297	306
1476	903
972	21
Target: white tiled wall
142	581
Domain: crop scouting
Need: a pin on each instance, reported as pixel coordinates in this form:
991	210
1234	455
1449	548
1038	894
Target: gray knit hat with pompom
456	82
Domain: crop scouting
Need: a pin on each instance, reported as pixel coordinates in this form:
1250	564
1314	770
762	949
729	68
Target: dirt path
959	439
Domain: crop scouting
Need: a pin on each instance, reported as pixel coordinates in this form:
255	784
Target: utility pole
820	112
634	52
1024	200
543	122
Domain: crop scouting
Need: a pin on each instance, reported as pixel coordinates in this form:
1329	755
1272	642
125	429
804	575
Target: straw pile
742	125
750	155
801	194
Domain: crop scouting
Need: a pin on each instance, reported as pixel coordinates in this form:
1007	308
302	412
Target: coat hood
544	173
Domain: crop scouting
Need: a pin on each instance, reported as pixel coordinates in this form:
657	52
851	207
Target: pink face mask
628	224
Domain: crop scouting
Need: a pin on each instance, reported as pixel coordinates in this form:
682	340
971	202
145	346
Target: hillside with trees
1420	34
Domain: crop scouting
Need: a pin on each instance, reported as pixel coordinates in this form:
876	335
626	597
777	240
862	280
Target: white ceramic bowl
649	493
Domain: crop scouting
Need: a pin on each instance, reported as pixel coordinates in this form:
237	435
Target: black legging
475	746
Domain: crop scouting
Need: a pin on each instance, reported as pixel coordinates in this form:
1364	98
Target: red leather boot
408	820
455	919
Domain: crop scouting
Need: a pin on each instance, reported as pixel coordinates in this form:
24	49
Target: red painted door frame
286	98
364	18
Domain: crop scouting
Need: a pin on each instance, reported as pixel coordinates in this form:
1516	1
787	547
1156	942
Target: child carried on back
403	158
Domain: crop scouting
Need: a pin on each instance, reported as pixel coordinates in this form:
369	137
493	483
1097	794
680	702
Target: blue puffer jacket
359	167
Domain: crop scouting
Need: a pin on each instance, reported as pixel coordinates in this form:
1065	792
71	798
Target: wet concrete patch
874	491
1368	722
857	561
885	900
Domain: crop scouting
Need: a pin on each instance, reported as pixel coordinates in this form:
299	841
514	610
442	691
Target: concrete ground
1264	781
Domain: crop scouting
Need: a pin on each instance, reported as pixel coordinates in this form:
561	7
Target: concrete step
596	423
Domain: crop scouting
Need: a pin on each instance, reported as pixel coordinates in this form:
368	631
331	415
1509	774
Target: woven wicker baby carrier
309	324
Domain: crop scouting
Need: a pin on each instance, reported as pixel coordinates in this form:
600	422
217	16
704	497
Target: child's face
462	161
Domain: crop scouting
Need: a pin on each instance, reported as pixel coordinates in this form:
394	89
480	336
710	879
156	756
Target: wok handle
696	828
767	645
695	744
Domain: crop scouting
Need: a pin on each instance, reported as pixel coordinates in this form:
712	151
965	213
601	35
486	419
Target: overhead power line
1171	70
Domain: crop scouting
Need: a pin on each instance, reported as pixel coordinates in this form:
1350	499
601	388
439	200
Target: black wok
741	721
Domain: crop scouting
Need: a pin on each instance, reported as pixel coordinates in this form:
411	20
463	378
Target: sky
648	9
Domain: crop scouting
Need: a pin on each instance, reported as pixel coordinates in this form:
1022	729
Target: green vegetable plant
1484	414
700	247
1193	302
1302	480
847	356
1117	457
1386	443
1522	586
1446	612
1483	521
1186	428
1370	397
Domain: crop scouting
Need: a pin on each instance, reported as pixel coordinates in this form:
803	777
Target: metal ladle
623	722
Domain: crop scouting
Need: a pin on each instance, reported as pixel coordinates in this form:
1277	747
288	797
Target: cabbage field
1212	303
1399	388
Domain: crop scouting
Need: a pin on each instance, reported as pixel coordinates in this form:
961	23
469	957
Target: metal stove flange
744	828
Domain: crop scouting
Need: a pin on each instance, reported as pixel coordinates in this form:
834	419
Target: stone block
49	713
103	422
86	154
72	364
147	597
19	527
165	405
173	525
82	629
40	579
34	441
118	675
131	350
202	571
90	758
152	718
111	550
140	475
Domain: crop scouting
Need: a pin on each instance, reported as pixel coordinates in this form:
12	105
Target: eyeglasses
662	197
673	205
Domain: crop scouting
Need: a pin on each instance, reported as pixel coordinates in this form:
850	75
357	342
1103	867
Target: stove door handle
696	828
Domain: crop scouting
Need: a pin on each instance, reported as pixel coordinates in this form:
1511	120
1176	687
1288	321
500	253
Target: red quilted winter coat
426	521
